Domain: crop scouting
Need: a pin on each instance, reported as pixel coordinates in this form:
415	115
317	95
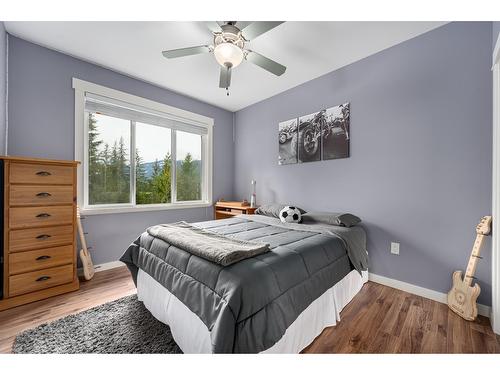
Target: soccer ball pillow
290	214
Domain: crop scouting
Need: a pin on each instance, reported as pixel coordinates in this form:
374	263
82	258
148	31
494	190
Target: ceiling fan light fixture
228	54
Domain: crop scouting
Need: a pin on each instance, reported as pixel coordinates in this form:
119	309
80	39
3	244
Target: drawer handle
43	278
43	236
43	194
43	257
43	214
43	173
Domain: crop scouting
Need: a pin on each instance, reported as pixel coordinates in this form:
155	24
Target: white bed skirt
192	336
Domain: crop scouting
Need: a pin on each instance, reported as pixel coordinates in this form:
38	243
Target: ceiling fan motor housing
229	34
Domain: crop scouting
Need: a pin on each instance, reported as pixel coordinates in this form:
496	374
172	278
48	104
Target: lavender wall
420	165
3	51
41	124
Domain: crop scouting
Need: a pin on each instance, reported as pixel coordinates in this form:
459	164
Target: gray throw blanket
214	247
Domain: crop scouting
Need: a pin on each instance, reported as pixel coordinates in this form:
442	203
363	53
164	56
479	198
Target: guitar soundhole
460	297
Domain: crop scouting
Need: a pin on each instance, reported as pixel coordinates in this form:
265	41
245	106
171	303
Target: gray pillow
331	218
273	209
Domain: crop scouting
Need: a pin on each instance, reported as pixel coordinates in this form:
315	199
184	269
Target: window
153	164
108	158
189	166
138	154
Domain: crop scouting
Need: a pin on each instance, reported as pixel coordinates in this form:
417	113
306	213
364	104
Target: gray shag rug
121	326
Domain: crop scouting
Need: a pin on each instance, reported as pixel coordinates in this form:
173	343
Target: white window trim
495	257
81	139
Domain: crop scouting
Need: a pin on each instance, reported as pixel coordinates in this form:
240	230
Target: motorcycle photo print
323	135
288	142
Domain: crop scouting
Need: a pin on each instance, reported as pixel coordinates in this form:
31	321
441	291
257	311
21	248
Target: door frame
495	258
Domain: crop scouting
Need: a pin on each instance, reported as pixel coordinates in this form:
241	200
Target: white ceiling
308	49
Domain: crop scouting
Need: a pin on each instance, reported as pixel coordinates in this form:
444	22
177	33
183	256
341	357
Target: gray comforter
248	305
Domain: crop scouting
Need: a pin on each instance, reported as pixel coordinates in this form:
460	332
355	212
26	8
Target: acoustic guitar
88	266
463	295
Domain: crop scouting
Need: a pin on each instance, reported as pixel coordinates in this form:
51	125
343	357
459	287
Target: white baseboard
104	266
422	292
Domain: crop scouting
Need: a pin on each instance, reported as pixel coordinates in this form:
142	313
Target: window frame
81	151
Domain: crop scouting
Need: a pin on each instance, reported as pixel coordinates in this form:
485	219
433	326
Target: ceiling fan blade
213	26
181	52
255	29
225	77
265	63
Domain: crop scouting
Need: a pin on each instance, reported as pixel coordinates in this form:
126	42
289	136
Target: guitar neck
474	258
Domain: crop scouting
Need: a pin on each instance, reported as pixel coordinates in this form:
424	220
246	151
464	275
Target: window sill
145	208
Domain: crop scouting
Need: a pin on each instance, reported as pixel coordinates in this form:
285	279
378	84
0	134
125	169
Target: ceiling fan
229	48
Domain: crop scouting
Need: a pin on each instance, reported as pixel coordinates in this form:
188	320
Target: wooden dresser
38	236
226	209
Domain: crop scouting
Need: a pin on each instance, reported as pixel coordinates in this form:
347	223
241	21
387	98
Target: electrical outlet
395	248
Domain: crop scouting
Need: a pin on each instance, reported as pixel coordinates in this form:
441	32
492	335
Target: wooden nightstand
224	210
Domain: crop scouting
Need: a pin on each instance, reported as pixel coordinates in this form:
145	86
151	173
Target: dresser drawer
26	217
26	173
36	238
37	280
40	195
40	259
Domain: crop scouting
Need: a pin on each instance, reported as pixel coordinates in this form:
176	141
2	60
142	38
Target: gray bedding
248	305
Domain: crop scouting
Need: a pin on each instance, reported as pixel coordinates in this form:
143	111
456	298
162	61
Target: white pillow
290	214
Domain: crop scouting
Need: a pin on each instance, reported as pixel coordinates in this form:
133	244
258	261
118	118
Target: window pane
153	164
188	166
109	160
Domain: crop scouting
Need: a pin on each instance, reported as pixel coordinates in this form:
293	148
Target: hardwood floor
386	320
379	320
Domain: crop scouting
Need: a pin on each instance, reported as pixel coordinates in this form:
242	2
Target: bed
275	302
